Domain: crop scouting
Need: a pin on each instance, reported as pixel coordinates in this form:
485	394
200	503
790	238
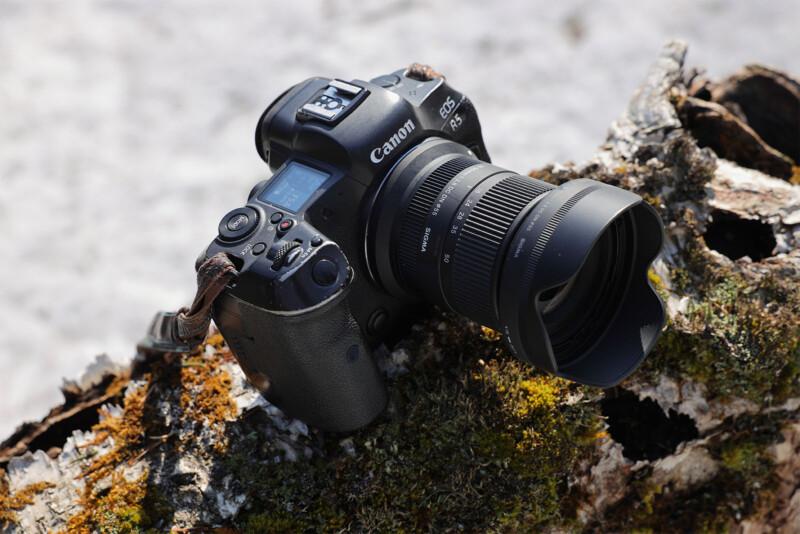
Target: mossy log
703	437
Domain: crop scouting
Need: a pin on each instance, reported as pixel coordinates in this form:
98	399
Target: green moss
742	457
744	483
732	341
274	523
683	170
123	519
648	493
473	441
680	279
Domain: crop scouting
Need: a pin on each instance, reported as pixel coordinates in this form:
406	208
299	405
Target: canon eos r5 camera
383	198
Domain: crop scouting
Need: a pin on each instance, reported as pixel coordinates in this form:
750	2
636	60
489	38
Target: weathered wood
705	436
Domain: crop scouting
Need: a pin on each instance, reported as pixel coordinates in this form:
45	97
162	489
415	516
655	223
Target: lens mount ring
383	209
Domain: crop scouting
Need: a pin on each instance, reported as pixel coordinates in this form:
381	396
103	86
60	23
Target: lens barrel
561	272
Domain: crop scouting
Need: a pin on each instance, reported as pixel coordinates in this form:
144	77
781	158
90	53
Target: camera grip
315	365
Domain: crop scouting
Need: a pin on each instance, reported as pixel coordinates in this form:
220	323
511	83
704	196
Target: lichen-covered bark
704	437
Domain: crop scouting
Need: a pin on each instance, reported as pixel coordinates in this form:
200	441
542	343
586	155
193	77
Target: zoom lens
561	272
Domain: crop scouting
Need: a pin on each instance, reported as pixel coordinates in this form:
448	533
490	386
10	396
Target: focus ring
413	226
477	250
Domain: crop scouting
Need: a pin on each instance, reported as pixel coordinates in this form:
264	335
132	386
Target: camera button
259	248
324	272
285	225
276	217
316	241
388	80
237	223
378	321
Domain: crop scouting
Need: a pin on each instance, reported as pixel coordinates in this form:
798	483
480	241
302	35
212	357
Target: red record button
285	225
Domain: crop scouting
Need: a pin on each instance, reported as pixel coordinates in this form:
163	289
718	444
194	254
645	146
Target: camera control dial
238	223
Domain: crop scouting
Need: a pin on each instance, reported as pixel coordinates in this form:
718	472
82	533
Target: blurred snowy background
126	129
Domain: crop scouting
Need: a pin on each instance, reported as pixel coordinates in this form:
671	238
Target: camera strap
182	331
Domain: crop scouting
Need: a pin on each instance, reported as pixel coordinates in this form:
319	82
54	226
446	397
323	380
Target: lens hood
589	244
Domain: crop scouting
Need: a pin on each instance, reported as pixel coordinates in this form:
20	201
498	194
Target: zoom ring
477	249
413	226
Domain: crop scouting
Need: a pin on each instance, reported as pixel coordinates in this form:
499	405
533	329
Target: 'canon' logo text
380	152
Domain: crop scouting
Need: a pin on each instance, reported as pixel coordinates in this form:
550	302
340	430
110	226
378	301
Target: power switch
285	255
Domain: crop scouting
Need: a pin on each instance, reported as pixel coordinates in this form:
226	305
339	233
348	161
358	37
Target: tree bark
705	435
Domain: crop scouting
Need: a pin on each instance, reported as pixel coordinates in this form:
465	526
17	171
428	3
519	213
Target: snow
126	129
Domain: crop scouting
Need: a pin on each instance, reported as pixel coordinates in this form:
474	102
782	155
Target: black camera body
383	200
304	313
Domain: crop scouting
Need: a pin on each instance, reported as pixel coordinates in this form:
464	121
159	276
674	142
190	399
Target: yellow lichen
536	395
206	390
128	432
490	334
10	502
795	179
531	403
200	388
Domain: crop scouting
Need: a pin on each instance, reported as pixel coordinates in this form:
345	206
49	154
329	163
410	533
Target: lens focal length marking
439	220
415	238
464	204
478	245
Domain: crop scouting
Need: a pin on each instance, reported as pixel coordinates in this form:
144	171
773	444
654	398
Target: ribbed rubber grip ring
477	251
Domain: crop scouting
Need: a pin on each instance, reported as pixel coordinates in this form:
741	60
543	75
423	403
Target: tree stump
704	436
